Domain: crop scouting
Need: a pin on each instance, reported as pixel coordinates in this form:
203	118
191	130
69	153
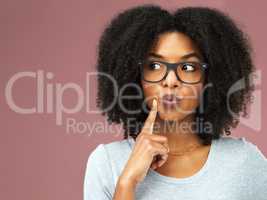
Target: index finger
149	123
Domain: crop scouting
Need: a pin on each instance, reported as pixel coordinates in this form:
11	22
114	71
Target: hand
150	150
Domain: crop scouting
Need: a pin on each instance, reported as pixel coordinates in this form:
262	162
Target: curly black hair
224	46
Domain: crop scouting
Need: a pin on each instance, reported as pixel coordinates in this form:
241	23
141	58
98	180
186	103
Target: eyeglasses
186	72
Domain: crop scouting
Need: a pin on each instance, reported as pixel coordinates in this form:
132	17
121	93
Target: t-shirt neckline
159	177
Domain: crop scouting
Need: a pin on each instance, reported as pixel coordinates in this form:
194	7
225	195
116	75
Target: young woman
170	80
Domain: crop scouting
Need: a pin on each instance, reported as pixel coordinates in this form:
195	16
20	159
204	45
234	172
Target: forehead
174	45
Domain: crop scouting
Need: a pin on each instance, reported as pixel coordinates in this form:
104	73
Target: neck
179	133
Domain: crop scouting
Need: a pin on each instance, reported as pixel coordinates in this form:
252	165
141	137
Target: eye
189	67
154	65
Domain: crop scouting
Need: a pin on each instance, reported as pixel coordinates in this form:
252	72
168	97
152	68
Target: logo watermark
50	100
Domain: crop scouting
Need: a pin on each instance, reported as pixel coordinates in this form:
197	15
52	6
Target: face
176	99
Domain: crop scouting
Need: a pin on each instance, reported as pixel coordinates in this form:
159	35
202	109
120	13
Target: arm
124	190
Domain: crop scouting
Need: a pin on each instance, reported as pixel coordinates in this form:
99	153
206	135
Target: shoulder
252	162
114	149
239	151
231	149
254	170
254	156
239	143
104	165
232	143
119	146
97	163
242	146
248	148
111	157
118	153
245	161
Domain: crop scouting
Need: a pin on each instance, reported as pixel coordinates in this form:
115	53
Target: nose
171	80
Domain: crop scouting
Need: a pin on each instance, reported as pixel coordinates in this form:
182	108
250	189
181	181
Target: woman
168	78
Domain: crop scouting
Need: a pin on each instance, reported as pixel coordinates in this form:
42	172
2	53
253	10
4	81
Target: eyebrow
193	54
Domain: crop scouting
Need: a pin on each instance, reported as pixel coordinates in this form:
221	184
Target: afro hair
225	47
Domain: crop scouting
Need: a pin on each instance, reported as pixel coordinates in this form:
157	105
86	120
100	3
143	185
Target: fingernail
154	102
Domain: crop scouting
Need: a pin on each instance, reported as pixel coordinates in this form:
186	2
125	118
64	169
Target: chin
171	116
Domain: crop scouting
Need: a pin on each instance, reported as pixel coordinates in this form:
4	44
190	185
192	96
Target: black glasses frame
173	66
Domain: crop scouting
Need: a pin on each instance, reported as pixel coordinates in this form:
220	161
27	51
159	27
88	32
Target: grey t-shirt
235	169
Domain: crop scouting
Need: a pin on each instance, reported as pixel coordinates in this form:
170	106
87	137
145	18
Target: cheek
192	92
191	95
150	90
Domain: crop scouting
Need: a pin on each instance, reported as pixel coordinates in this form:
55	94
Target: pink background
39	159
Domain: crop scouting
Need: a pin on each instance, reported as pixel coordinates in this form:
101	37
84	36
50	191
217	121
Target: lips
170	100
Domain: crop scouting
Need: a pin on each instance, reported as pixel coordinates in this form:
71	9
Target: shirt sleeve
97	179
